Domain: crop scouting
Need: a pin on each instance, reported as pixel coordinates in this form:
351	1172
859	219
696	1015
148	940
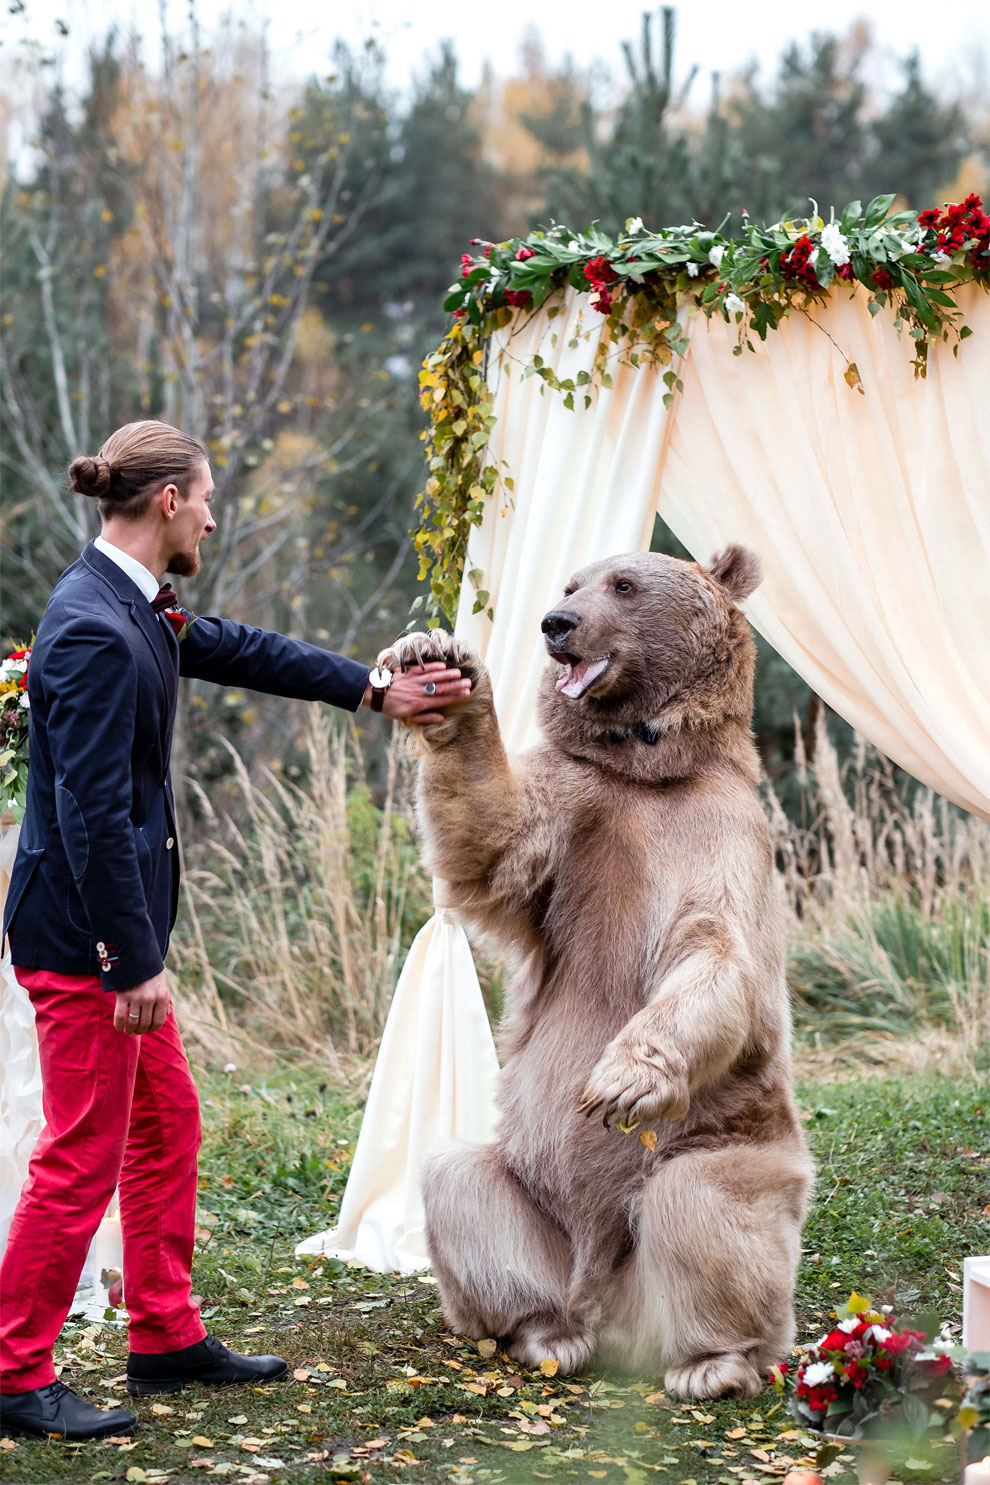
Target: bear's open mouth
577	674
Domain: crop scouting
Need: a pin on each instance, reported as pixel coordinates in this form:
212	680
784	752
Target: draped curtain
871	512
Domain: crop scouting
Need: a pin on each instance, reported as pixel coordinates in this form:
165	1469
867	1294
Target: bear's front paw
635	1085
427	647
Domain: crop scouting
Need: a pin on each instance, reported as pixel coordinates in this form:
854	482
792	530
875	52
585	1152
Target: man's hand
407	700
143	1007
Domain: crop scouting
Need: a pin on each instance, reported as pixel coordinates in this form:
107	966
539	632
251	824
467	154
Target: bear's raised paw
428	646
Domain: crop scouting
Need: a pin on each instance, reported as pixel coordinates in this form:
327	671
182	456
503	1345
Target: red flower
845	271
883	1363
524	253
936	1366
600	271
518	298
176	618
964	222
18	654
882	278
467	263
900	1341
836	1341
794	263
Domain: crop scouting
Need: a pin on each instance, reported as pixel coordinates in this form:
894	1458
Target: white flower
879	1333
734	304
942	1343
813	257
835	245
818	1373
941	258
634	224
230	1067
716	255
692	269
25	704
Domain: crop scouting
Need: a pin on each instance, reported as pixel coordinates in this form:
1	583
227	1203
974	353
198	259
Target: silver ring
430	687
133	1015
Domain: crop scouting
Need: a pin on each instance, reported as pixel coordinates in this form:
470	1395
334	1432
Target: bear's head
652	671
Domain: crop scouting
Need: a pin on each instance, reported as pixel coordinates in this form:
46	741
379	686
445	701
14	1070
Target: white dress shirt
136	571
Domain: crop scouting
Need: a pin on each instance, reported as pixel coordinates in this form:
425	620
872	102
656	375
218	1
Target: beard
184	564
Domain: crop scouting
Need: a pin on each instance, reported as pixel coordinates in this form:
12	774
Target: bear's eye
623	586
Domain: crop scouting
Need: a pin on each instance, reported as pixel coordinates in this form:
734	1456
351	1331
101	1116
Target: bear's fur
625	867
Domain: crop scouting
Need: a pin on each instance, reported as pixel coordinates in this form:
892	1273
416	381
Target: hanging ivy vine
645	284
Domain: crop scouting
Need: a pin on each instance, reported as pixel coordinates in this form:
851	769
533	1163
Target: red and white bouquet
14	713
868	1371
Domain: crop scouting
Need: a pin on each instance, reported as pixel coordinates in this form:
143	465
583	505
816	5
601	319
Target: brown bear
643	1198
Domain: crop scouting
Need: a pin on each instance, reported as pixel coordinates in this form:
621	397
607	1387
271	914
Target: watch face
380	678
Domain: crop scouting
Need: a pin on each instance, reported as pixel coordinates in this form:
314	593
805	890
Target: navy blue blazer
95	882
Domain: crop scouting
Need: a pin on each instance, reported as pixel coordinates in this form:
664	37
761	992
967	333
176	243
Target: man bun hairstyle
133	464
90	476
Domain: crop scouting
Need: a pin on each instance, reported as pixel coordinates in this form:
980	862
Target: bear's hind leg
708	1293
502	1267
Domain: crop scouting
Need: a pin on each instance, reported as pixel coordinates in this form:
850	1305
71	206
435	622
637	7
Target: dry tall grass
294	920
890	897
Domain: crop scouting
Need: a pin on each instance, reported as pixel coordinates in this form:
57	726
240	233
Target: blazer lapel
166	654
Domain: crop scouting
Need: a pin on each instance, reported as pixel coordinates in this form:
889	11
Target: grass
381	1391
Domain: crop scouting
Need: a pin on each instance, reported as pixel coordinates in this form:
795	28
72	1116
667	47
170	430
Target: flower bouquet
868	1378
14	712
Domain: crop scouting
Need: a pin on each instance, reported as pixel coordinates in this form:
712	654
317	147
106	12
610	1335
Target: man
91	905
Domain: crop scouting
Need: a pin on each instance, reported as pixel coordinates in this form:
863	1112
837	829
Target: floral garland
641	281
14	714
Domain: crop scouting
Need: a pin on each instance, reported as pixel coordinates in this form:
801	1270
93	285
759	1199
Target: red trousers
122	1111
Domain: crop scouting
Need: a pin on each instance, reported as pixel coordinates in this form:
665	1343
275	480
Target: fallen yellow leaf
549	1366
649	1139
487	1348
202	1443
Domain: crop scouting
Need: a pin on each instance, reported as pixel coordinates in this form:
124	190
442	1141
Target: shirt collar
135	570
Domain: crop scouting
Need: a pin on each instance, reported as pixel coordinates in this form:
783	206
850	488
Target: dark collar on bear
645	731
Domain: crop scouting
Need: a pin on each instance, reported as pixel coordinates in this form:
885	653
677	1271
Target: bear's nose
558	624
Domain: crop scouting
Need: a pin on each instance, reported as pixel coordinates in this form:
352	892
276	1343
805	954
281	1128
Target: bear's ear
738	570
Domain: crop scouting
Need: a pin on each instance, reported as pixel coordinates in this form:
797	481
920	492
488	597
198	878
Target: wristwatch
379	680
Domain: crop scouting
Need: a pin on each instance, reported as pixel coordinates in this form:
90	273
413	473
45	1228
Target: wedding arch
803	389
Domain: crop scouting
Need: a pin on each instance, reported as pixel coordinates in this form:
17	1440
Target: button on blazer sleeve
238	655
91	692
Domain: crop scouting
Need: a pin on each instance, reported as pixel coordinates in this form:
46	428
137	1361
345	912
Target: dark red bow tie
167	598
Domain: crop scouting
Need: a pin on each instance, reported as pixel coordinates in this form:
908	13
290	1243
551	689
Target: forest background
263	264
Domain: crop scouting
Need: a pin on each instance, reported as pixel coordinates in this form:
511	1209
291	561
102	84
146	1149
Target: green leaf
878	209
915	1414
850	216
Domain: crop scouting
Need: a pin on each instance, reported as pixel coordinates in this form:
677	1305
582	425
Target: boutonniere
180	621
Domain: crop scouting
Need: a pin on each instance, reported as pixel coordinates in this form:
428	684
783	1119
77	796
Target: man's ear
738	570
168	499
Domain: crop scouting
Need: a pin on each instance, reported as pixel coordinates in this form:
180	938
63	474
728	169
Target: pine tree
918	142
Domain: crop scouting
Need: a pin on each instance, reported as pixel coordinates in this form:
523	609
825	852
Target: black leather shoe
208	1362
56	1411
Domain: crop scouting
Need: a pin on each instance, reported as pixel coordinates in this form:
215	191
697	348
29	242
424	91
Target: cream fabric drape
871	512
